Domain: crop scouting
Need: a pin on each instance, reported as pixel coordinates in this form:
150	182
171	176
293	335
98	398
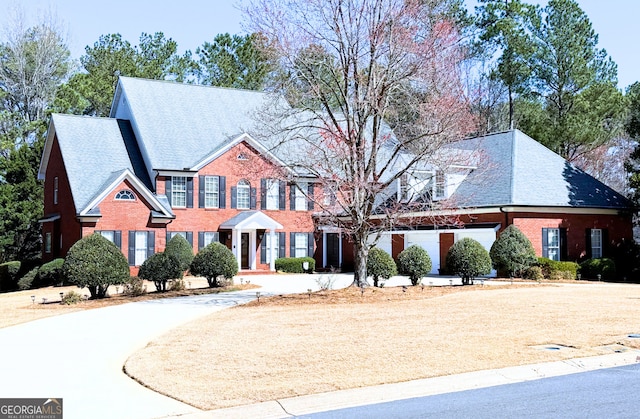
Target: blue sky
191	23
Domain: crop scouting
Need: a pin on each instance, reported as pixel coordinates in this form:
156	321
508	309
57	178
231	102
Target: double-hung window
272	248
596	243
301	199
273	194
551	243
211	191
179	192
243	198
301	245
439	191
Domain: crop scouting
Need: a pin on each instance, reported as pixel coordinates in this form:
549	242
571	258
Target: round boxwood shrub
180	248
160	268
51	273
512	252
96	263
380	265
468	258
214	261
27	281
9	275
415	262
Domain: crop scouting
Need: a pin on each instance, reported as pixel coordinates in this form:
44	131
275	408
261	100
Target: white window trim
555	247
211	192
273	194
243	190
125	195
301	251
55	190
178	193
596	233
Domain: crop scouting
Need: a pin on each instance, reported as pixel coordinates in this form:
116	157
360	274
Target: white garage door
429	241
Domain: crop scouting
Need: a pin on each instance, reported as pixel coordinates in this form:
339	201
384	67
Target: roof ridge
207	86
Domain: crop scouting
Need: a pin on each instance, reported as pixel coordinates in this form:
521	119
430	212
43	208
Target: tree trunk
361	252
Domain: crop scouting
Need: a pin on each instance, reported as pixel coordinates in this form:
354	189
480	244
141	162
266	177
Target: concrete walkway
79	357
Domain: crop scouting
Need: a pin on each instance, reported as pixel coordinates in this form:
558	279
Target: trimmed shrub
51	273
28	279
627	260
534	273
468	258
214	261
605	267
71	297
512	252
96	263
9	276
415	262
380	265
160	268
294	265
135	287
180	248
553	269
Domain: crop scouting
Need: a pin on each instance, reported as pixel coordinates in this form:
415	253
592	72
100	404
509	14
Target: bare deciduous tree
378	91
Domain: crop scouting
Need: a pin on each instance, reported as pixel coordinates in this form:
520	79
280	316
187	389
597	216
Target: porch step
254	272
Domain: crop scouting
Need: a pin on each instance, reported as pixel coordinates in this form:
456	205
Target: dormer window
403	188
125	195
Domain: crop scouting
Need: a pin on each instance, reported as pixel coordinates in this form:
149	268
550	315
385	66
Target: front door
333	250
244	251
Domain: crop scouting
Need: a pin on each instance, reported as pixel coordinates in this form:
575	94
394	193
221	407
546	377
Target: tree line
435	71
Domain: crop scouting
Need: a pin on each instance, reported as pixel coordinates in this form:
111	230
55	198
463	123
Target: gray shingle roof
517	170
93	152
179	124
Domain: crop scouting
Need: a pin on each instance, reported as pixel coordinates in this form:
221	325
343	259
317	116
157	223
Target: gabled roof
516	170
251	220
92	149
180	124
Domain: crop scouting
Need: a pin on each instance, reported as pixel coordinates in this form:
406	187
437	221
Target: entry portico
247	231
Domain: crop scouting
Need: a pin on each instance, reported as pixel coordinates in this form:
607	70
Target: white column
237	235
252	249
272	250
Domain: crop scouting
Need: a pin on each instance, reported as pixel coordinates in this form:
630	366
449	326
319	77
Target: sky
194	22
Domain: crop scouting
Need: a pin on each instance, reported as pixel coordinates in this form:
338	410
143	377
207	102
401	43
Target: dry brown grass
295	345
17	307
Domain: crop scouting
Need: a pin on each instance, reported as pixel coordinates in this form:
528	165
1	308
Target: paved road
605	393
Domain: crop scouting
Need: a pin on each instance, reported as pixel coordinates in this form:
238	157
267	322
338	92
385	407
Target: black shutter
252	204
167	190
292	197
200	240
222	191
310	199
605	242
263	248
234	197
310	243
190	238
132	248
263	194
545	242
282	244
151	243
563	244
292	245
189	192
282	194
201	191
587	243
117	238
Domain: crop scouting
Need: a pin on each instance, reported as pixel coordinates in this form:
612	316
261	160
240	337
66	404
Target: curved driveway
79	356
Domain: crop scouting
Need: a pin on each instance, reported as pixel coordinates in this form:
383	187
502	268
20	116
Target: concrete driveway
79	356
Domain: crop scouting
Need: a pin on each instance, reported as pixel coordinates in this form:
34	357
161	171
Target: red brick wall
67	226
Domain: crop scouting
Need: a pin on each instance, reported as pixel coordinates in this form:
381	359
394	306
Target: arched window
125	195
243	195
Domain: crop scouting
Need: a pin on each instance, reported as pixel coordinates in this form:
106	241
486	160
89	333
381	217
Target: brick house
183	159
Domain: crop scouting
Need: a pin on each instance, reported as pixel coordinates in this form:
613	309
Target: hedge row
294	265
